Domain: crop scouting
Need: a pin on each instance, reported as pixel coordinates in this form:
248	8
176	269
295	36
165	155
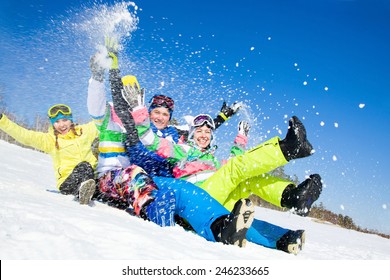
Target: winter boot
86	190
232	228
292	241
295	144
301	198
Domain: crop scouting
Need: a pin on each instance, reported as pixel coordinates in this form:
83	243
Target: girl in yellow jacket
68	144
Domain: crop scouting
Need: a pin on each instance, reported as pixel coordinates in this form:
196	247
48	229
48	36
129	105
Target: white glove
243	128
134	96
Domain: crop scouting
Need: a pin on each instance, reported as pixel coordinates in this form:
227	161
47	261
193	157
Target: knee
85	168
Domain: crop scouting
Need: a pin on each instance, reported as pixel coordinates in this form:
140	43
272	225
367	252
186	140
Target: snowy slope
39	225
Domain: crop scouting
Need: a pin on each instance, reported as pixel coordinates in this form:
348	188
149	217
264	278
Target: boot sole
312	193
295	248
244	216
86	191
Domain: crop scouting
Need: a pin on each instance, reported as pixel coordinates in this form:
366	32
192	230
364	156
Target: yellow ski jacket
72	150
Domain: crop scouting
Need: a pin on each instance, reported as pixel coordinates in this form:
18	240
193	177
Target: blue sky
325	61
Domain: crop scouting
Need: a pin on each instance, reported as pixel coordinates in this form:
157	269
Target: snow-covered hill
36	224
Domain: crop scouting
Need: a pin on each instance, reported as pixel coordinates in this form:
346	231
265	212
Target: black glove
228	111
96	70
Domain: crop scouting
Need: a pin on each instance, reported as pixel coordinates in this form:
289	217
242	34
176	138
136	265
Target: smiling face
62	126
202	136
160	117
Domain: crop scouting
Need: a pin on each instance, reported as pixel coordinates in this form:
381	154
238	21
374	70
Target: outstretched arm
121	107
38	140
96	99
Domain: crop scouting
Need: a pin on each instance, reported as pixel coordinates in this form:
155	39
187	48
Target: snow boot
86	191
232	228
291	242
295	144
301	198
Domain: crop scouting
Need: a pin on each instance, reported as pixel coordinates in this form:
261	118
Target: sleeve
239	145
220	119
121	107
39	140
96	101
91	130
161	146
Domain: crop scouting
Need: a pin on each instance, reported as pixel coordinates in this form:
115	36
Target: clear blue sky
325	61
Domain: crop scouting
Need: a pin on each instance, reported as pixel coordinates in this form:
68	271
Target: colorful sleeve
161	146
239	145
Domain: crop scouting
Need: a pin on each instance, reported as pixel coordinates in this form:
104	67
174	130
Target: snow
37	224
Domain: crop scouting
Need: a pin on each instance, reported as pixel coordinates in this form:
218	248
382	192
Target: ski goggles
59	108
202	119
162	100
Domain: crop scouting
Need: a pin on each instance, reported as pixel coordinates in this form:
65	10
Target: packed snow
41	229
39	224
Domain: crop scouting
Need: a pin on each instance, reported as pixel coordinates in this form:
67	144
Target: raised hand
229	111
96	69
112	49
243	128
133	95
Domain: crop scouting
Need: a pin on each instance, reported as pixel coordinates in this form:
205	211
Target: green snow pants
247	174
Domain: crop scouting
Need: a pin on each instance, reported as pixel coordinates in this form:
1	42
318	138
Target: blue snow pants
264	233
178	197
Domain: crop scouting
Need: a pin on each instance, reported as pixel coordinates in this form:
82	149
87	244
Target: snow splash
101	21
